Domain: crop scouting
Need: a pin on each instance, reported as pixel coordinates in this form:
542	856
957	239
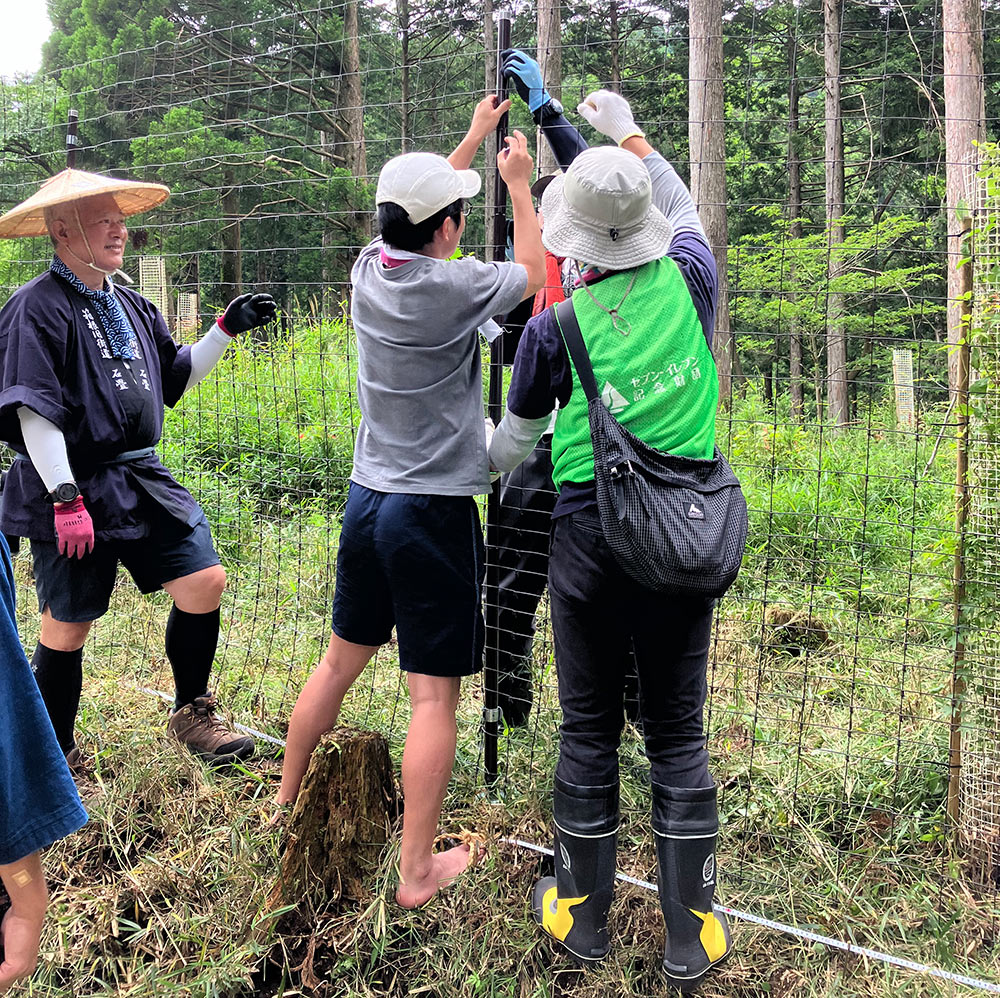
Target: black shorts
416	562
79	589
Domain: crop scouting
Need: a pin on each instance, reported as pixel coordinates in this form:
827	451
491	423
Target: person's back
419	372
411	554
645	309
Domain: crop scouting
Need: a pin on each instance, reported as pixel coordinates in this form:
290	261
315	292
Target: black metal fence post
498	244
72	139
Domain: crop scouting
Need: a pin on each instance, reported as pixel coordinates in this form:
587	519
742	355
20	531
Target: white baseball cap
422	183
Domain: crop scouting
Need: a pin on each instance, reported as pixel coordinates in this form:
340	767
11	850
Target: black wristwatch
551	109
65	492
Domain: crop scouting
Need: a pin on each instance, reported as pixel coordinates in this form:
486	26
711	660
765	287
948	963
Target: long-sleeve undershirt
206	353
46	447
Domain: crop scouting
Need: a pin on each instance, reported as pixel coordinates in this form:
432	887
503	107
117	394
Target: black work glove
247	312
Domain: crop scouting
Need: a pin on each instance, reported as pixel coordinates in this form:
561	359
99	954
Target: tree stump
342	818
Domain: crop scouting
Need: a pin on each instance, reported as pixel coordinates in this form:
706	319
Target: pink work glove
74	529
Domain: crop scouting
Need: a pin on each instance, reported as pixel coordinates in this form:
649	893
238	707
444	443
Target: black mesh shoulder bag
675	524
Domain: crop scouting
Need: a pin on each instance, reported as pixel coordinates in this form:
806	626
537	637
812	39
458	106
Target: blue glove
527	77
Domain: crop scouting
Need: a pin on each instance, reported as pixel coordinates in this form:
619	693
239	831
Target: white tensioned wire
744	916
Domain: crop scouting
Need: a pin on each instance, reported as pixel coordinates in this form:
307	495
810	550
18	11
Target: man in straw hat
86	367
646	307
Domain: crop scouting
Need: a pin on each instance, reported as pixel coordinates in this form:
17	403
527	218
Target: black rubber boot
572	907
686	826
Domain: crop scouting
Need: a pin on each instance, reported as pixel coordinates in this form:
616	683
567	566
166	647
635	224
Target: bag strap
566	320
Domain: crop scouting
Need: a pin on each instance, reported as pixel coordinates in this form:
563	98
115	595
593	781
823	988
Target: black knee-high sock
59	675
191	641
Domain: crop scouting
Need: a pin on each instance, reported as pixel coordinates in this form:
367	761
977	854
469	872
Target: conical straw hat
28	218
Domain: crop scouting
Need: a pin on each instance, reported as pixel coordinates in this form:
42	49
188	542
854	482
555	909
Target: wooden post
964	125
795	215
550	62
836	341
707	141
962	501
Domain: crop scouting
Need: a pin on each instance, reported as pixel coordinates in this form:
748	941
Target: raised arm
485	118
564	139
611	115
515	166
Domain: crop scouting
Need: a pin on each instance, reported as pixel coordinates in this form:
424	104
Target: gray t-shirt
419	373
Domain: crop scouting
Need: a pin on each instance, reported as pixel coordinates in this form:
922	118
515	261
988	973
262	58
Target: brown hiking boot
197	726
77	765
74	760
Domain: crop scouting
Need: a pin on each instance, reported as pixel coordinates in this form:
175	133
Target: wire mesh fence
980	818
831	700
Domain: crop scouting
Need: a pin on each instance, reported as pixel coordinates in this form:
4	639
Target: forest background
822	167
269	122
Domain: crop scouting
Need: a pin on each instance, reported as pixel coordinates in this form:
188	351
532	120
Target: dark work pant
527	498
596	609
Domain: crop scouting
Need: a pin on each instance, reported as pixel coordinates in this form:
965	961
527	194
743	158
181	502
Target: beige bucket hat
601	212
28	218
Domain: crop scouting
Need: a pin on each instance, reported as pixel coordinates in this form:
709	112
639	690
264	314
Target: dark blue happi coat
55	358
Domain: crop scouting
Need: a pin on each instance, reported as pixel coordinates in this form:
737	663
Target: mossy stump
342	818
793	632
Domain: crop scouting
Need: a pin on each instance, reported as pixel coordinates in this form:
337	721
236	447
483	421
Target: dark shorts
77	590
416	562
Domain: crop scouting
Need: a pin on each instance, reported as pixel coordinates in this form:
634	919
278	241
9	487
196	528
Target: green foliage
860	521
275	420
891	292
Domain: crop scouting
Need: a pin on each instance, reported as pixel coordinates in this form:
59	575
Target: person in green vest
645	300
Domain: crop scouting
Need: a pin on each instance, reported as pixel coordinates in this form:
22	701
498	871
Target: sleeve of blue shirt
689	247
541	375
564	139
38	800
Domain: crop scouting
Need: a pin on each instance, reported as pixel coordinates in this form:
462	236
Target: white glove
610	114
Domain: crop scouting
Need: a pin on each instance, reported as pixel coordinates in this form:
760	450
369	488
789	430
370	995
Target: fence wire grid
833	662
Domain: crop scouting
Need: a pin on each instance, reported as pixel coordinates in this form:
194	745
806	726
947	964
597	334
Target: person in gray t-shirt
411	547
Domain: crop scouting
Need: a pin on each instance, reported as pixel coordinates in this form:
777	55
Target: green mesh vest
659	380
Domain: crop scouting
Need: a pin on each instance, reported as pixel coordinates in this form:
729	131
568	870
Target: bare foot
446	868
